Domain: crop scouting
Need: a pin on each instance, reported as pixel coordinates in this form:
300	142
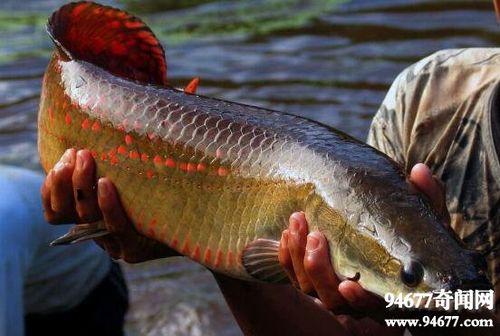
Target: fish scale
217	180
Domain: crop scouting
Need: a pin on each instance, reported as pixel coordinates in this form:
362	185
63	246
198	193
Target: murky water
328	61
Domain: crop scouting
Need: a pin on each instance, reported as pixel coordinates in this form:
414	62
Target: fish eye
412	273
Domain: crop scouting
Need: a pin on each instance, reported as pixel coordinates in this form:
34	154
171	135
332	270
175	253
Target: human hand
70	194
305	255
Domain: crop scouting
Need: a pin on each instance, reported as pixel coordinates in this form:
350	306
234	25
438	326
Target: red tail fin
111	39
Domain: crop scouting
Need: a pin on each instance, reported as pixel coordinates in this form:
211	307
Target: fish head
398	244
433	258
414	251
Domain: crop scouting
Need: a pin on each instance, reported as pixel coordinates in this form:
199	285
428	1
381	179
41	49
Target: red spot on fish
152	223
170	163
150	174
196	252
140	225
122	149
185	247
112	156
183	166
174	241
67	119
140	219
144	157
158	160
191	167
128	139
133	155
201	167
222	171
96	126
104	156
152	227
93	153
207	258
218	258
85	123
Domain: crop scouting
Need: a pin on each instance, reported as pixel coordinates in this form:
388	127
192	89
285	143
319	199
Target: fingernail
422	167
102	188
294	225
312	242
64	160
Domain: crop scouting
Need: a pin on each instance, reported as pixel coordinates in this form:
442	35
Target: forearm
266	309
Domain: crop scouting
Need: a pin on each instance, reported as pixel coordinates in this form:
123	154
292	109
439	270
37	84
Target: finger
125	242
296	244
358	298
432	187
84	190
422	178
115	218
320	271
61	196
284	257
50	215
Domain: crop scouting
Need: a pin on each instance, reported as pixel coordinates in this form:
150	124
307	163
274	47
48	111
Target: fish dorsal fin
192	86
260	259
109	38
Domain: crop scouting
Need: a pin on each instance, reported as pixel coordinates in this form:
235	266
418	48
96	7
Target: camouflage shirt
444	111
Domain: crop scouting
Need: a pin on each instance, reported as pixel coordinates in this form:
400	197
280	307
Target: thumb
421	177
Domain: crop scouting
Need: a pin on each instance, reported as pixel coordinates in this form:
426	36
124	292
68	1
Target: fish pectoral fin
80	233
260	259
192	86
